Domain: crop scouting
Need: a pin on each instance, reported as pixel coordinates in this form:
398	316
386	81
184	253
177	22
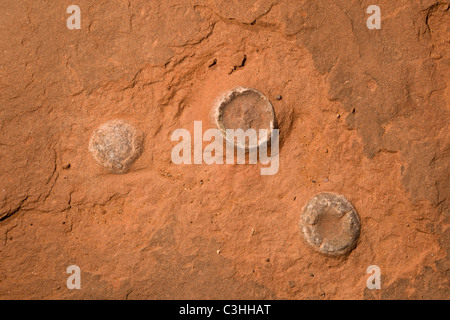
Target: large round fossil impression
115	145
330	224
245	108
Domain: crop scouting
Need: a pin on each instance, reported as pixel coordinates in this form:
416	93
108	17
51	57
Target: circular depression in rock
330	224
115	145
245	108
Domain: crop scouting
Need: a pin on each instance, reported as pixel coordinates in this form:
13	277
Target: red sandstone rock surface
364	113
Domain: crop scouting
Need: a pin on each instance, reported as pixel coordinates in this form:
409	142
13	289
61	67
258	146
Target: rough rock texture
365	113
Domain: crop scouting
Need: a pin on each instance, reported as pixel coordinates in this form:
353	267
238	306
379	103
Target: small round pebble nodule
330	224
115	145
245	108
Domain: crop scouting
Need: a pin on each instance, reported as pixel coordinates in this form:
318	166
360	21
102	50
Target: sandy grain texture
364	113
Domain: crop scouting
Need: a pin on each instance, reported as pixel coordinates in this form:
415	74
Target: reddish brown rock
154	232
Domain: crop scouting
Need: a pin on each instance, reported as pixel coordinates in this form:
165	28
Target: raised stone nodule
115	145
330	224
245	108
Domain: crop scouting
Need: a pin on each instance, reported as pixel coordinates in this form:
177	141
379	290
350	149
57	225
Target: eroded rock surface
364	113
